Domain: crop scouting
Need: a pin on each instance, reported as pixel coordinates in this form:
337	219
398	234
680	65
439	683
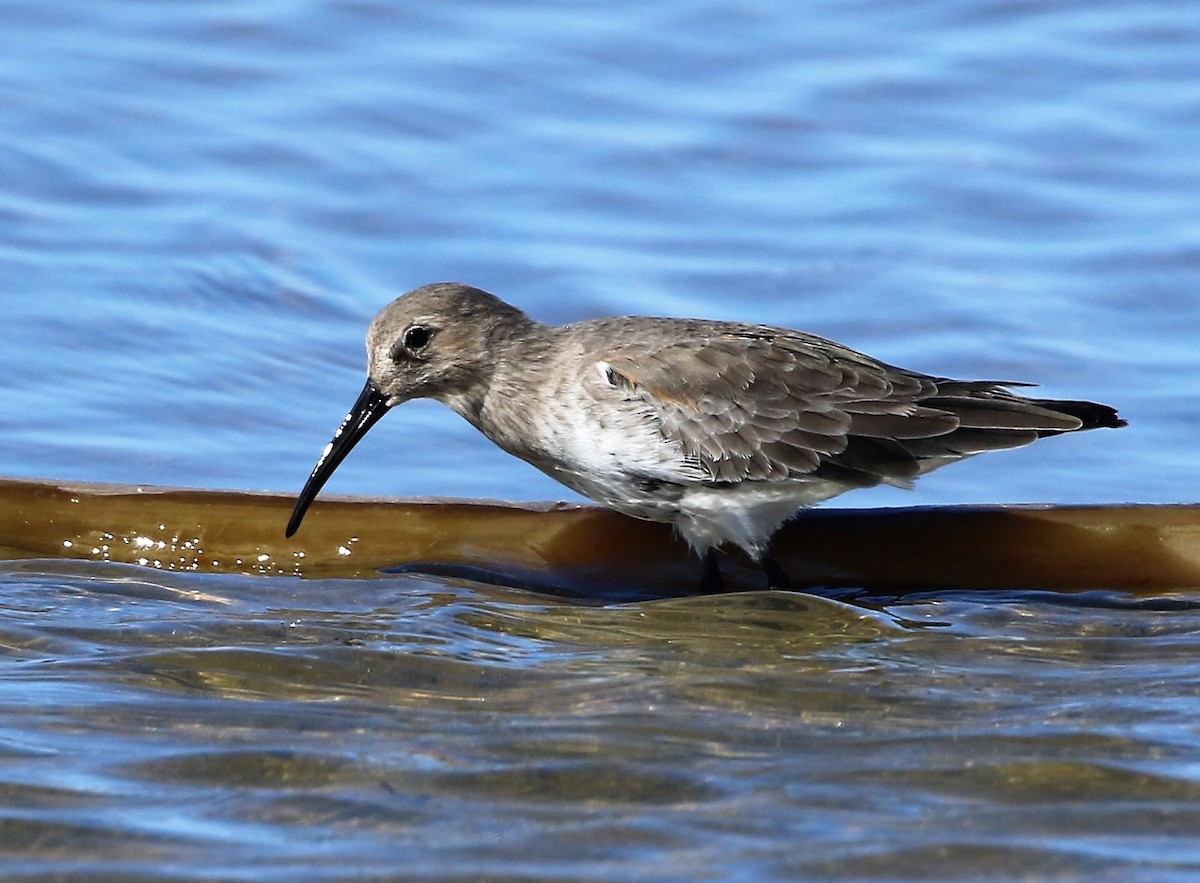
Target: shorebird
724	430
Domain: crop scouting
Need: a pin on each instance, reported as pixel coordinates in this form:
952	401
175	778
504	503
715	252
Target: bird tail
1091	414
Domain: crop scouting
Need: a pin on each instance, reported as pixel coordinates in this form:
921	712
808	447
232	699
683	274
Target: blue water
203	204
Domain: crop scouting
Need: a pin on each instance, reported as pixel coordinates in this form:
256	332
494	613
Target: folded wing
751	403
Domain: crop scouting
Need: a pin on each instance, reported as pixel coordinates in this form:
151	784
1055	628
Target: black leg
777	577
710	579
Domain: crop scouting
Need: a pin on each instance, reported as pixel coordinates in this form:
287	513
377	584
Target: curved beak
371	405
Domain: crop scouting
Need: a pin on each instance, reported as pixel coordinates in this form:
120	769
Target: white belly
745	514
616	454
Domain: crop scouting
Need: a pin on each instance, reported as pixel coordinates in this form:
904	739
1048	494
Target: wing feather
758	403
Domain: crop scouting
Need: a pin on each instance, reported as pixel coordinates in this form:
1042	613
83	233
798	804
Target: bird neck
509	349
519	372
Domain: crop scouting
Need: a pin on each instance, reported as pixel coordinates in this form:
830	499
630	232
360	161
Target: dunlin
724	430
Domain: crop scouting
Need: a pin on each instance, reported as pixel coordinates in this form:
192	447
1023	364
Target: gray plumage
720	428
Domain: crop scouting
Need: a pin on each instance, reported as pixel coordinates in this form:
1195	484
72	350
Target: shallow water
202	205
418	726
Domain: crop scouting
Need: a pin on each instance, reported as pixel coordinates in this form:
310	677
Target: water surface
202	206
412	726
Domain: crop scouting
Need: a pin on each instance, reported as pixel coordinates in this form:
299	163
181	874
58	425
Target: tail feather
991	418
1091	414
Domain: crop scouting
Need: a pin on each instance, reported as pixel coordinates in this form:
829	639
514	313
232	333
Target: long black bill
371	405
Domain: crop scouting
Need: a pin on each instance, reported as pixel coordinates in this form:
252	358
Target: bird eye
417	337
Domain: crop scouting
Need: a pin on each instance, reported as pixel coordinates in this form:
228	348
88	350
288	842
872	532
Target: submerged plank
580	549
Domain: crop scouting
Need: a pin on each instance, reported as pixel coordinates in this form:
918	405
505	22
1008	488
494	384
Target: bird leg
777	577
711	580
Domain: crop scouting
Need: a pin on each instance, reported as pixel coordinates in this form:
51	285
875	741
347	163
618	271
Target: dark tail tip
1091	414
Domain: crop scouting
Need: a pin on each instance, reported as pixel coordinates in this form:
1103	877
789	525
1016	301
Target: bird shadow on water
593	587
881	608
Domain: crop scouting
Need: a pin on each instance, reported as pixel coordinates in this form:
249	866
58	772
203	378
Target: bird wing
759	403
